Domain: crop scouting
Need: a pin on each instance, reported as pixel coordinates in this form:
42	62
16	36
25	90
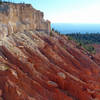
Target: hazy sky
69	11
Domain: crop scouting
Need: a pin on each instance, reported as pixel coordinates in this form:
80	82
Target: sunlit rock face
37	66
20	17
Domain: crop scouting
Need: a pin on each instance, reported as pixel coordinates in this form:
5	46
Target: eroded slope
35	66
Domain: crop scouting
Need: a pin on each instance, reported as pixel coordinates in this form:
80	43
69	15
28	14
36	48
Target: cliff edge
20	17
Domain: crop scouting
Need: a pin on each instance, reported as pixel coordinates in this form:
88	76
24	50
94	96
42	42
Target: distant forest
88	38
85	40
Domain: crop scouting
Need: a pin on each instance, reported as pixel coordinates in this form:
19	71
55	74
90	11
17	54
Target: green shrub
70	38
90	48
79	45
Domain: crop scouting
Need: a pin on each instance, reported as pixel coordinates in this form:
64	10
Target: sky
68	11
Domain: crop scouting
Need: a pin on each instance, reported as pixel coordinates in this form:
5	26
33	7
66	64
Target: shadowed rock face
35	66
20	17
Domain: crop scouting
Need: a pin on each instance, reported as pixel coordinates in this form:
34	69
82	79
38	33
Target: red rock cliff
35	66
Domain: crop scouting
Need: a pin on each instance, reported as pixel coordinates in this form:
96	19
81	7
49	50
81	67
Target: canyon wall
20	17
37	66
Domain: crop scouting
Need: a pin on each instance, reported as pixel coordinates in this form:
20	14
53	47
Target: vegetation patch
85	40
88	38
90	48
55	31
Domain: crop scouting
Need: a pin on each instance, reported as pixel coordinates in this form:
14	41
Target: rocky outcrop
20	17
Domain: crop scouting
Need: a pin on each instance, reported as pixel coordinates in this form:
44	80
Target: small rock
31	98
62	75
3	67
14	73
51	83
21	47
19	93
